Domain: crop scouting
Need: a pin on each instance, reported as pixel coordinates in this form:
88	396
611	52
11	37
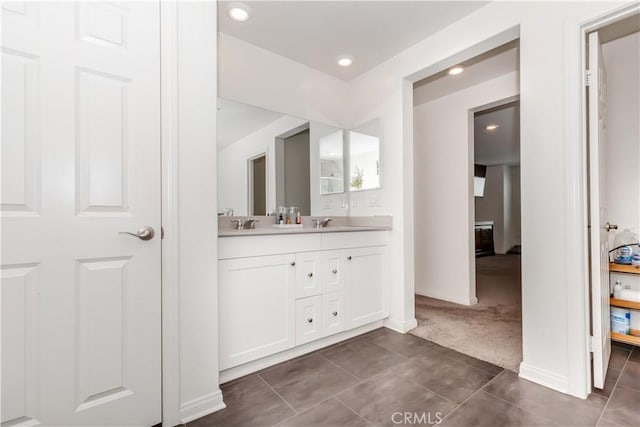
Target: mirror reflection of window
331	163
364	157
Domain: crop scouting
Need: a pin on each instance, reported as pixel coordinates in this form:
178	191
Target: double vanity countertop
338	224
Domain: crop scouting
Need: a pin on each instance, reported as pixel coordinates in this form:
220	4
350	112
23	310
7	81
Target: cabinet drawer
333	271
308	274
333	313
308	319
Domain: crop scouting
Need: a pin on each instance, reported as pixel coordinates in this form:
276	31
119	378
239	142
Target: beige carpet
490	330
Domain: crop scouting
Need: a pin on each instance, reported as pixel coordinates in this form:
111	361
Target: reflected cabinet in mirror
268	159
364	156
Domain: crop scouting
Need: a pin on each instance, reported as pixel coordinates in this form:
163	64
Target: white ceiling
490	65
237	120
316	33
500	146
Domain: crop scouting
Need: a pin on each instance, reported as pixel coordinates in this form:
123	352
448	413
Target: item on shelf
623	255
635	259
620	321
628	295
617	288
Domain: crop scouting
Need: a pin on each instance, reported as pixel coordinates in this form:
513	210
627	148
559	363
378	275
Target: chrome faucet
321	223
250	223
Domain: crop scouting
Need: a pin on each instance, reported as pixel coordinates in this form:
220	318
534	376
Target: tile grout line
615	386
352	410
278	394
341	368
335	395
423	387
472	395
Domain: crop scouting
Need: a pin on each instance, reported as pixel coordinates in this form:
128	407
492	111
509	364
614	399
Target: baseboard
467	302
201	406
545	378
400	326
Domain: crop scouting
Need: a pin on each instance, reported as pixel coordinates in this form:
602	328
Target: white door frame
170	240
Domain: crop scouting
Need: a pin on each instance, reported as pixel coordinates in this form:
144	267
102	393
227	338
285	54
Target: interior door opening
258	185
452	225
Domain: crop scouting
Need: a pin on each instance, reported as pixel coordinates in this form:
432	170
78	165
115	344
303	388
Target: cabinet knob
334	271
349	258
310	274
310	320
293	263
335	313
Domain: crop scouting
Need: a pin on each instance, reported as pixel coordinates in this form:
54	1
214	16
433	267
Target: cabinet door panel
257	308
333	313
308	319
308	274
366	285
333	271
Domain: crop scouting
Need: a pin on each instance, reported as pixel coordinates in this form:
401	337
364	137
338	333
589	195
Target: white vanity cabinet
271	302
257	307
367	276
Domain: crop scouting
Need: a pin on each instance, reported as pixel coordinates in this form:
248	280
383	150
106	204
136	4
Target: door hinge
587	77
161	232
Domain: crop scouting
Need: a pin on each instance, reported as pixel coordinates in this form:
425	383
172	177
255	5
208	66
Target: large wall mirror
364	156
268	159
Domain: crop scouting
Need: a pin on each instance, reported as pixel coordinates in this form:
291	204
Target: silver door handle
143	233
610	227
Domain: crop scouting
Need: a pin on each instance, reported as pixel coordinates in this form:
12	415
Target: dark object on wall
484	240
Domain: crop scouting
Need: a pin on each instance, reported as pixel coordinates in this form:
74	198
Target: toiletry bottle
281	217
288	216
298	218
617	288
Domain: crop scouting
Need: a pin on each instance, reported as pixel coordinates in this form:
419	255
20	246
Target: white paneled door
80	164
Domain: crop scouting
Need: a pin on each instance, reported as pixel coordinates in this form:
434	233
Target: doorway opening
258	185
293	170
467	138
612	91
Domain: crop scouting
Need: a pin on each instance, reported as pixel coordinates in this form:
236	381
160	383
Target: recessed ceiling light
238	12
345	61
492	127
456	70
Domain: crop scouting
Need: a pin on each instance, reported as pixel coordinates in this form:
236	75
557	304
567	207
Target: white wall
196	360
258	77
233	165
552	266
443	197
622	62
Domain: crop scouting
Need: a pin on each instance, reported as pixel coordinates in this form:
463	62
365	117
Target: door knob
143	233
610	227
310	320
335	313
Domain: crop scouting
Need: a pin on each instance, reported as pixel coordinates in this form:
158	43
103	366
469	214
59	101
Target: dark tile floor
377	378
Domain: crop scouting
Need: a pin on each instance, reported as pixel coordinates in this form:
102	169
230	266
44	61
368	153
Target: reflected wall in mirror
364	156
